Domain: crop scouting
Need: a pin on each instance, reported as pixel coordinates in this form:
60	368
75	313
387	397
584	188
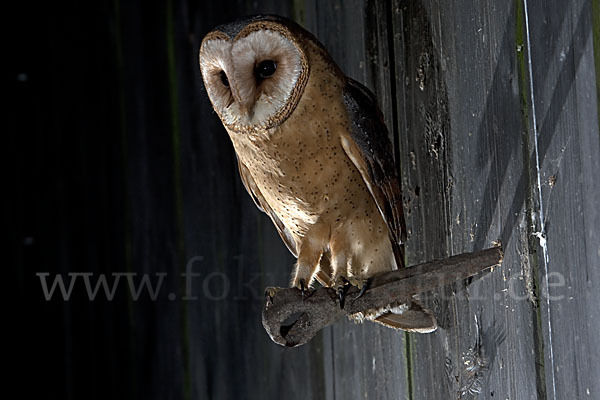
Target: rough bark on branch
292	320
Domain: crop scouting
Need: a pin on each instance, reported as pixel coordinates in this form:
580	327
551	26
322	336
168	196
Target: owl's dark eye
265	69
224	79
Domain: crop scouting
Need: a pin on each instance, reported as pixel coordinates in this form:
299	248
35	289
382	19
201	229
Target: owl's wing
262	205
368	146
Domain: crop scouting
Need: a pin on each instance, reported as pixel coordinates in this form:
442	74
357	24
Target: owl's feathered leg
303	272
339	264
308	261
324	272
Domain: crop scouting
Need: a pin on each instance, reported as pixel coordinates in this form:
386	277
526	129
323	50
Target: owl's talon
341	291
304	289
360	283
363	288
341	297
269	294
341	287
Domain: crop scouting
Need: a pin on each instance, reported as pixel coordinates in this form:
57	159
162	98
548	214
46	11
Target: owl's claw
304	289
342	295
269	294
363	287
341	285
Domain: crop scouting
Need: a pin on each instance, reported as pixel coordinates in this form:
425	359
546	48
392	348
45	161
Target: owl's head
254	71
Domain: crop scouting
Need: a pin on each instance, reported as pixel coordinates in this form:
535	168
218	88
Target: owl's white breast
300	166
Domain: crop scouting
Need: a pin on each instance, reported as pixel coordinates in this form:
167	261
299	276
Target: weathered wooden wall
121	166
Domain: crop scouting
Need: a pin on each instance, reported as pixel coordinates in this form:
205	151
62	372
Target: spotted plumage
313	153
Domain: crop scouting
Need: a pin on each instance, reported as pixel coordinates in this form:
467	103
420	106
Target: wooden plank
63	141
150	170
460	141
423	125
565	163
229	352
367	360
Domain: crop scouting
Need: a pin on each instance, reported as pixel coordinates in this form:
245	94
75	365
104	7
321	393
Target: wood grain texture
565	159
463	142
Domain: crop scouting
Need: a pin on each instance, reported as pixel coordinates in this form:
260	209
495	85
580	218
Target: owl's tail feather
412	318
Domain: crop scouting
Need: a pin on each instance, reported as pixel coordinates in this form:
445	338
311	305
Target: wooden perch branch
320	308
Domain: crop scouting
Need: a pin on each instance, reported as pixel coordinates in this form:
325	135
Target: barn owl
314	155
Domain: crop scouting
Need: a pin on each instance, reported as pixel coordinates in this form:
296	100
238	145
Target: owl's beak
246	107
